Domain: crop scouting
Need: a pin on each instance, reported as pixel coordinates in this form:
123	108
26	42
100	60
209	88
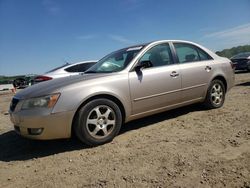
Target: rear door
157	86
196	68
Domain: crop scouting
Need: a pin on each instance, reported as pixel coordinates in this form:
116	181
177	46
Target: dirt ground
186	147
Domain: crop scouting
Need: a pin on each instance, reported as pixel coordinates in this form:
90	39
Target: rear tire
98	122
215	95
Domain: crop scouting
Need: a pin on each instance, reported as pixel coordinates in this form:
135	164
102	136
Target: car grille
13	104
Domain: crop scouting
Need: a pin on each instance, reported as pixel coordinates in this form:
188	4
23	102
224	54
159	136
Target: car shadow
146	121
16	148
243	84
241	71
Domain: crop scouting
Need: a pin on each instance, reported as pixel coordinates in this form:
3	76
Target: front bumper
53	125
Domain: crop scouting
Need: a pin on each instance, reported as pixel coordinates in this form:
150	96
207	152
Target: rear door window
190	53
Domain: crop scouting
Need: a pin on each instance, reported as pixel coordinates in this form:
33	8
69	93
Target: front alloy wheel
98	122
101	121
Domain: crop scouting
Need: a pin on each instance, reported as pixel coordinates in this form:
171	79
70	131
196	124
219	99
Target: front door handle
208	68
174	74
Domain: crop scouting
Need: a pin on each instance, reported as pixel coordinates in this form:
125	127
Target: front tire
98	122
215	95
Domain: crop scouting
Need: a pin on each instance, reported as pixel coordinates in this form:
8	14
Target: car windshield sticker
134	48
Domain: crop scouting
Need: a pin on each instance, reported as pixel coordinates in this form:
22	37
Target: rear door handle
208	68
174	74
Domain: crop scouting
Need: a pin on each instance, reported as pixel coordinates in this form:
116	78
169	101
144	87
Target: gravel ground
186	147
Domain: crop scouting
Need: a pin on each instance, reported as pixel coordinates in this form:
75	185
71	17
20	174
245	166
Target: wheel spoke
92	121
218	88
95	131
98	113
214	99
214	89
106	114
213	94
111	122
217	100
105	130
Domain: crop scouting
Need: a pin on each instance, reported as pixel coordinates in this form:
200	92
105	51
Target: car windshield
241	55
66	64
115	61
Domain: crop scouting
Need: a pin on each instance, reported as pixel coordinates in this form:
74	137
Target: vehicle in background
241	61
4	87
65	70
24	81
128	84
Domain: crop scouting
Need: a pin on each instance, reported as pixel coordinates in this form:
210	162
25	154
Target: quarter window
203	55
159	55
190	53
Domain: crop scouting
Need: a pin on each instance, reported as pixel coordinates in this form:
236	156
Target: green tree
233	51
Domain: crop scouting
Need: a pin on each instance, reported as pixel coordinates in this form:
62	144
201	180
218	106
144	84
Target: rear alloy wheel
215	94
98	122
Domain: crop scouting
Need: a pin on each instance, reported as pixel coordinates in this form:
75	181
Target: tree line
233	51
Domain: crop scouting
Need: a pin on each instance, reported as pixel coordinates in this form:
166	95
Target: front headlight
48	101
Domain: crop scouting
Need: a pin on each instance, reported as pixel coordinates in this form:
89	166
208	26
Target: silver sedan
127	84
65	70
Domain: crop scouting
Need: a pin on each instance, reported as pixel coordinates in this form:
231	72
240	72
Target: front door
157	86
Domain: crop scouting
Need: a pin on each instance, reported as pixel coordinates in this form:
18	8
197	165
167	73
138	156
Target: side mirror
143	64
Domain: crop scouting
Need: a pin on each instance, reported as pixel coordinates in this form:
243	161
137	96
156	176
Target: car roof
160	41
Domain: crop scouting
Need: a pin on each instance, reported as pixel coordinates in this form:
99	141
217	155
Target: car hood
52	86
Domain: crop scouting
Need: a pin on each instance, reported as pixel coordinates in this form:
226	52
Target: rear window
58	68
79	68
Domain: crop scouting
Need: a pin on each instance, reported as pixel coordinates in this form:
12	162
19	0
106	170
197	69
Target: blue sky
37	35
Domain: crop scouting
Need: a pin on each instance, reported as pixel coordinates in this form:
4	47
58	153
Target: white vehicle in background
4	87
65	70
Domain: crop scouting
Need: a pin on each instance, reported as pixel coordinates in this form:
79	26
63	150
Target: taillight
42	78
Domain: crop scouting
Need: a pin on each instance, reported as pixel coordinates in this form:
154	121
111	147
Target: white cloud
242	30
239	35
120	39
